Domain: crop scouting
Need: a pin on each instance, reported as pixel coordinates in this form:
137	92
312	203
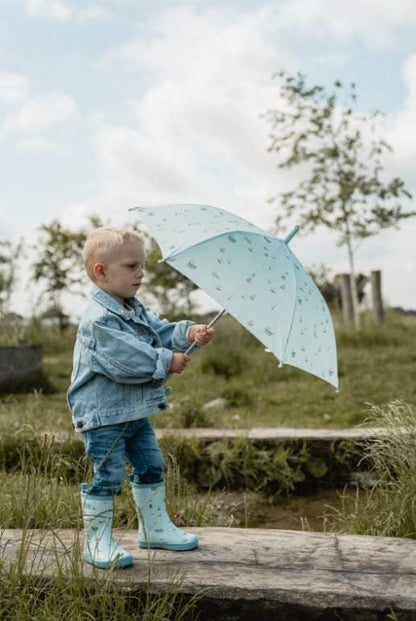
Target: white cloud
376	22
197	133
194	134
5	229
400	128
64	10
59	10
41	113
14	87
36	145
92	13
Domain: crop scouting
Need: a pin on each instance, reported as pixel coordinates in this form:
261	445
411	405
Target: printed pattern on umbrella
255	276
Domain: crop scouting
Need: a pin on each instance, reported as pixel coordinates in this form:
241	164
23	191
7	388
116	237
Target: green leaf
317	466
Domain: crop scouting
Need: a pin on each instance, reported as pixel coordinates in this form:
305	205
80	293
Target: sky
115	103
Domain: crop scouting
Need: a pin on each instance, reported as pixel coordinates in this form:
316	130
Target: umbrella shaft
209	326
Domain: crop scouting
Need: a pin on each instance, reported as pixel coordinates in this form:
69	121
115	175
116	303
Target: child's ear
99	271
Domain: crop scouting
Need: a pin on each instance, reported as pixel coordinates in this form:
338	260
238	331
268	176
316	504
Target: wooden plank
275	433
292	573
283	434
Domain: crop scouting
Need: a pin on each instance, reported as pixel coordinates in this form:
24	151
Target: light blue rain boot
156	530
100	549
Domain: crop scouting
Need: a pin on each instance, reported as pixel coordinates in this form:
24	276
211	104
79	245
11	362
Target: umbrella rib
283	360
286	240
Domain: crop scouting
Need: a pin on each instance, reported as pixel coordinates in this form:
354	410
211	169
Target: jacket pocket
112	396
153	393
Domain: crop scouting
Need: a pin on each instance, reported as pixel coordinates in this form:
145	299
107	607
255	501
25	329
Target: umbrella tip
291	234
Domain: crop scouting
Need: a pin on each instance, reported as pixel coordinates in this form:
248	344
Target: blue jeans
110	446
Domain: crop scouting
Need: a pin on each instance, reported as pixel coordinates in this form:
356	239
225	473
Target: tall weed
389	508
44	579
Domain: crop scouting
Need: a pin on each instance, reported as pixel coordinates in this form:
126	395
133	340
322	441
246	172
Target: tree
9	254
60	266
169	287
59	263
343	190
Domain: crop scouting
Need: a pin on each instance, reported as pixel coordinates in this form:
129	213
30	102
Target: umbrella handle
220	314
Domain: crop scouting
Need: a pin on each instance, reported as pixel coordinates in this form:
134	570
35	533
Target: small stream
315	512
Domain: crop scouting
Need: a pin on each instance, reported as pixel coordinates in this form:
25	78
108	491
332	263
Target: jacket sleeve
172	334
124	358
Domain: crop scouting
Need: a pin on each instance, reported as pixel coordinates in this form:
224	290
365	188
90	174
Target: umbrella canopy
253	275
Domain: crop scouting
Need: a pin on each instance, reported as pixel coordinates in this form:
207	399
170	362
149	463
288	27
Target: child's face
121	276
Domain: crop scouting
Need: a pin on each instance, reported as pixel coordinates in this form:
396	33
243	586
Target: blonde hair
103	242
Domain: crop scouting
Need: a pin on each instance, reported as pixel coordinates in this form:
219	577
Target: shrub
224	361
188	412
238	393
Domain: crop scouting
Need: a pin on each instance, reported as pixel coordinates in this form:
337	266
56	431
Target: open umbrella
254	276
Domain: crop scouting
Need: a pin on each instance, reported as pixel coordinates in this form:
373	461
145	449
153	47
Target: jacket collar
106	300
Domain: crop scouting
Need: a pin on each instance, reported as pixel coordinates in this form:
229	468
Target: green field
376	365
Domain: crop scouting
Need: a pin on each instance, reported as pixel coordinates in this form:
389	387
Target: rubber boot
156	530
100	549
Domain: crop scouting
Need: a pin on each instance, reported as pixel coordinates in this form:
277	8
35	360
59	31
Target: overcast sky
115	103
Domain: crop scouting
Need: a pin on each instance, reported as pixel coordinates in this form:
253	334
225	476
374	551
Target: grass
376	366
389	508
38	496
30	593
273	470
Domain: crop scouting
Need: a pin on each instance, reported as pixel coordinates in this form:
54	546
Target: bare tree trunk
353	280
346	298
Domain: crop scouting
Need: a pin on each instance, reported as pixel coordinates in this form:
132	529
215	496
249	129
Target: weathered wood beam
271	574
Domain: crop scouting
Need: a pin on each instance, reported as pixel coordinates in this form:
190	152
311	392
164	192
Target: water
315	512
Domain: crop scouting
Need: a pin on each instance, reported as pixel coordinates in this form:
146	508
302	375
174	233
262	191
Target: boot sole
120	562
169	546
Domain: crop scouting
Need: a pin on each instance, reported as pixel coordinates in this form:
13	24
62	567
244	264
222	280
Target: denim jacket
121	359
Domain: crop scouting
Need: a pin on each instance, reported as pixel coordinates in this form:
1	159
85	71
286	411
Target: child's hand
201	333
179	362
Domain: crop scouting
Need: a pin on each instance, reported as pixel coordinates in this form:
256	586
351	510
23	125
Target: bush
44	456
224	361
36	380
239	464
188	412
238	393
35	332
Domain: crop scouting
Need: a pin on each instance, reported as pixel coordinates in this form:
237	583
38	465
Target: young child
122	356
